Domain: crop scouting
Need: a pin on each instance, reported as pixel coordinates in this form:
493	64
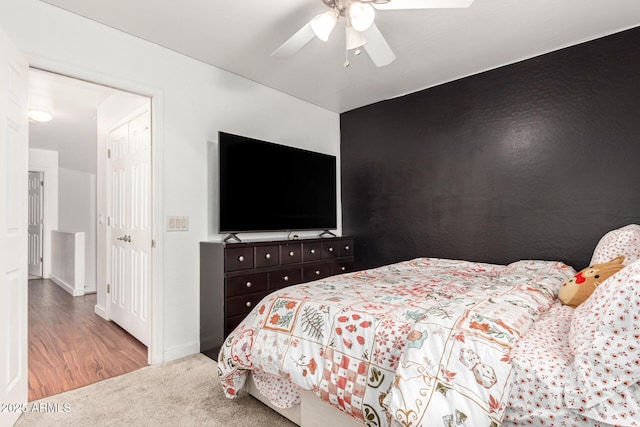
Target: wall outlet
177	223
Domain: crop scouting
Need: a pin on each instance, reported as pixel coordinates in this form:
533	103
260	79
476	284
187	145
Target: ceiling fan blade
295	42
422	4
378	48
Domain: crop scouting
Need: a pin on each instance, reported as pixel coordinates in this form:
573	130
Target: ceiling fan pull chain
346	58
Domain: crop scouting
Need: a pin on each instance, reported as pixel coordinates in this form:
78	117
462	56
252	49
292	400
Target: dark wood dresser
234	277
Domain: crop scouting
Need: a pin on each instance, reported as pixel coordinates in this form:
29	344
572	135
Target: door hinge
153	243
108	288
41	183
109	221
40	259
108	153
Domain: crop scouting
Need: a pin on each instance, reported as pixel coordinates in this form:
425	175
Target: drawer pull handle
331	249
241	258
317	272
313	251
291	253
343	268
267	256
346	248
285	278
248	284
248	304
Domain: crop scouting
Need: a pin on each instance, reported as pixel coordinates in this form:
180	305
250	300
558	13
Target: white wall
192	102
47	162
77	212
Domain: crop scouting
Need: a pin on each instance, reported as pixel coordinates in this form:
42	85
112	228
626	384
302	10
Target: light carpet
184	392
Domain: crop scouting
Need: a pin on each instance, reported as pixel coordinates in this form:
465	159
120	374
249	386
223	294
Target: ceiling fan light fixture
361	15
354	38
323	24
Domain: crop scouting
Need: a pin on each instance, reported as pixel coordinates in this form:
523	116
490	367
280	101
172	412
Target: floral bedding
404	344
542	364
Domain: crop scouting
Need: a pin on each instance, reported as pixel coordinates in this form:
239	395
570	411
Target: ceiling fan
361	31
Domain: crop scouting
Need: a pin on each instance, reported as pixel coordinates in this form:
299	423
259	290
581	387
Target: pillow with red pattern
622	241
605	340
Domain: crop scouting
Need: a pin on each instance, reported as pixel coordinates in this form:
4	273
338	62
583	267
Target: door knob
123	238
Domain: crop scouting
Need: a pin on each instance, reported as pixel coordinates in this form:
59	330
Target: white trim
157	201
181	351
99	310
67	287
156	353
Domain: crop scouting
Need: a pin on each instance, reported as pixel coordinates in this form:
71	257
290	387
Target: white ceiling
73	130
432	46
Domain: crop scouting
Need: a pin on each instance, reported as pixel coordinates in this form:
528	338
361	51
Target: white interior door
118	218
140	225
36	222
13	229
130	232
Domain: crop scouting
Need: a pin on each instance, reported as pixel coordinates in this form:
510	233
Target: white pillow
623	241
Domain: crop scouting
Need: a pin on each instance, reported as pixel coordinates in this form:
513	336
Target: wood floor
70	346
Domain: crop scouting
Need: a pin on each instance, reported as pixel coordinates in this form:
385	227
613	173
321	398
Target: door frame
50	210
156	342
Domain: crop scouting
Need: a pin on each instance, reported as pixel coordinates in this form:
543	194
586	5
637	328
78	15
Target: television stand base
327	233
232	236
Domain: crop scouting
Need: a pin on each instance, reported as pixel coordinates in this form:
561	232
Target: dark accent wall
535	160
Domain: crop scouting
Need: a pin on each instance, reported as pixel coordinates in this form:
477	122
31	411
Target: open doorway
72	340
35	223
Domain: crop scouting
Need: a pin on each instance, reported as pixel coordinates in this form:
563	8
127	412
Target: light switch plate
177	223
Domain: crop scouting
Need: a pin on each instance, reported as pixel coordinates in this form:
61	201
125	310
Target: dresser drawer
311	251
330	250
238	258
267	256
283	278
315	272
342	267
245	284
242	304
290	253
346	248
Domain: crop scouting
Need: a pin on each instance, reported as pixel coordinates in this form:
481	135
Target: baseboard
100	311
67	287
181	351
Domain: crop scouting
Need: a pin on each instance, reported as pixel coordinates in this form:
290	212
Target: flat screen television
272	187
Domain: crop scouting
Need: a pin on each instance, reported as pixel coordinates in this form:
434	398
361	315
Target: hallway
70	346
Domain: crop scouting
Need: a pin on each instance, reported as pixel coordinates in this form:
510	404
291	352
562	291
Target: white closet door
14	148
140	226
130	241
120	273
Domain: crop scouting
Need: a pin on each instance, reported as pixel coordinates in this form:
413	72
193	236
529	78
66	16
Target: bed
446	342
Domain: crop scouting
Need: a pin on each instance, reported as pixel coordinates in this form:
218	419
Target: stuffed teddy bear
576	290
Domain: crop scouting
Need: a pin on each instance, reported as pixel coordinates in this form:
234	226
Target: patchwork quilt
421	342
